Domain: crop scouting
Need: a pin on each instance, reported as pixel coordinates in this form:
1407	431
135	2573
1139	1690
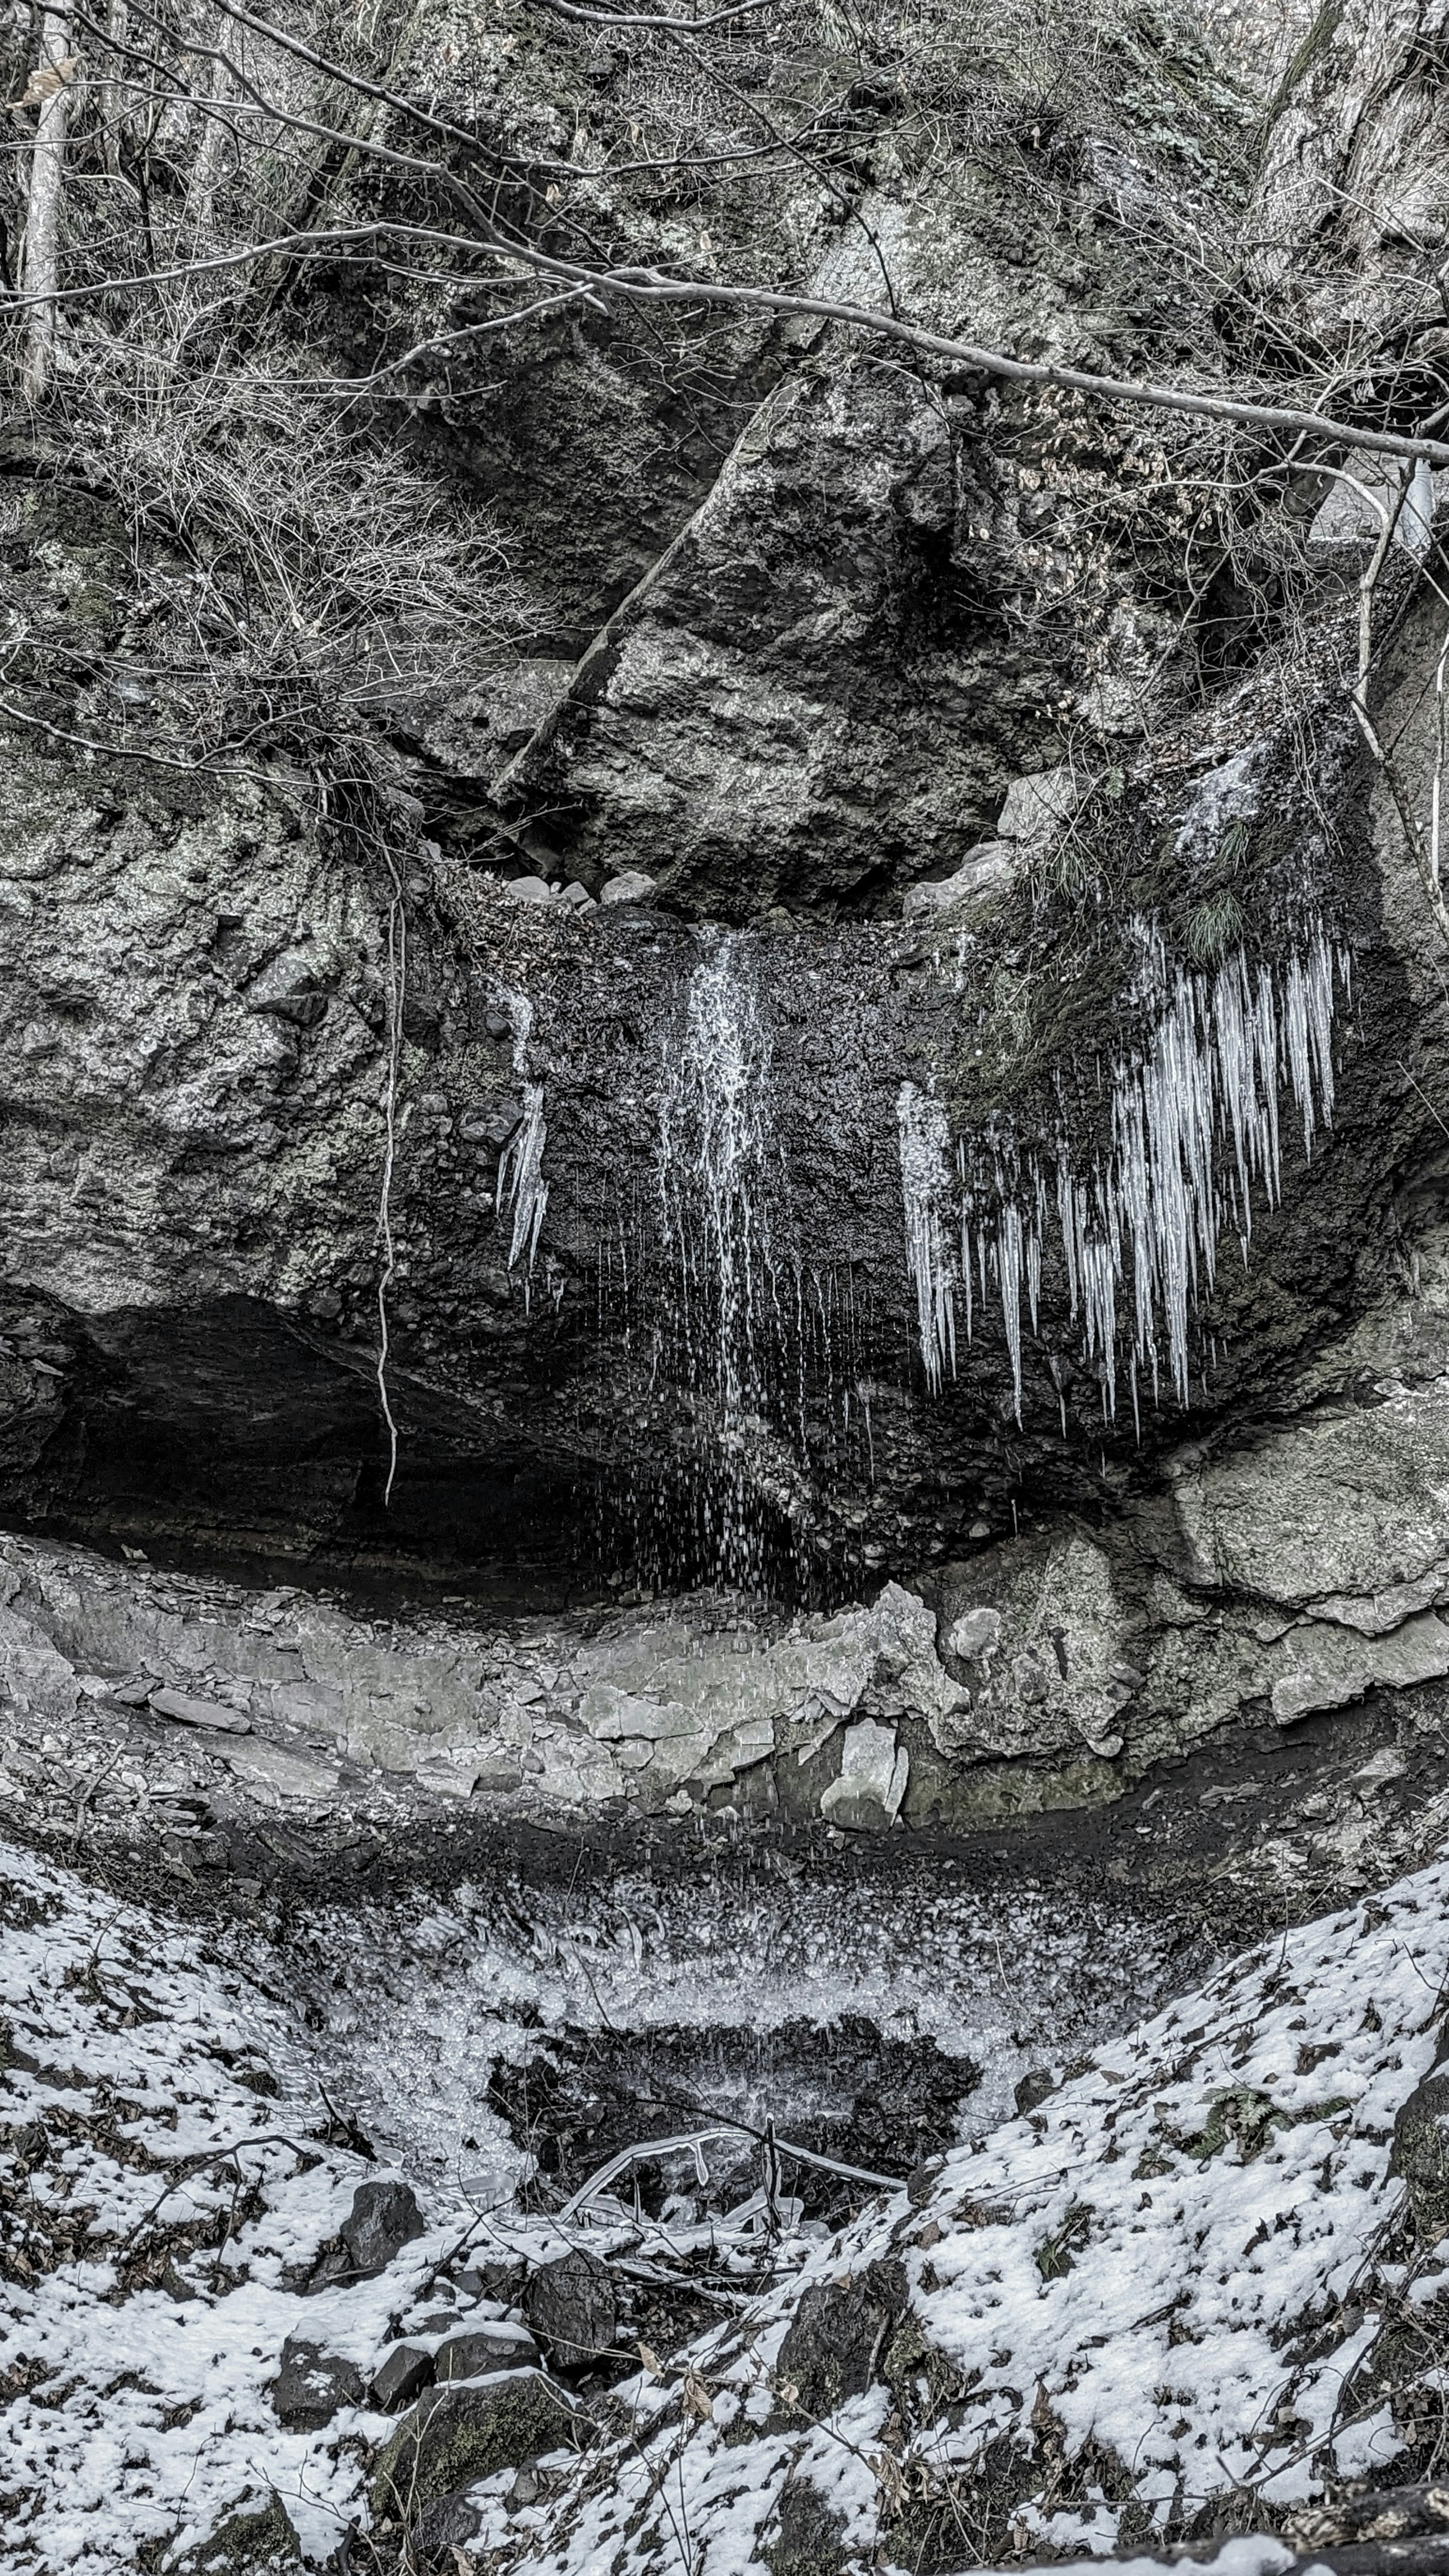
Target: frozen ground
410	2006
1145	2302
1167	2292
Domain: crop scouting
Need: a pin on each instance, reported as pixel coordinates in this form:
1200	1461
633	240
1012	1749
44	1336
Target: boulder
383	2218
467	2430
312	2384
872	1782
631	885
529	890
1330	1665
974	1636
490	2344
571	2308
1420	2156
1036	1630
399	2377
837	2336
443	2527
39	1681
1034	809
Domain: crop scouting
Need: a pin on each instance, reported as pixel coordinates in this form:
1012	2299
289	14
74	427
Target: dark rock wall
795	676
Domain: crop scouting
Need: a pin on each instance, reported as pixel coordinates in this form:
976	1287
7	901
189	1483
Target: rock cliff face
816	1021
724	1289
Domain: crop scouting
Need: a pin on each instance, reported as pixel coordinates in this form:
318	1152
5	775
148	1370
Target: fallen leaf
46	79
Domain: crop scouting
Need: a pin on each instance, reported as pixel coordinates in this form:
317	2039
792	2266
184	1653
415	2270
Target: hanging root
351	800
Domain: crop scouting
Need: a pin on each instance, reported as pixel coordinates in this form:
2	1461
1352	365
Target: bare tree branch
622	18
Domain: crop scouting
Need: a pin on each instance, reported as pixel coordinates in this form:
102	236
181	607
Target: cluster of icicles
1193	1131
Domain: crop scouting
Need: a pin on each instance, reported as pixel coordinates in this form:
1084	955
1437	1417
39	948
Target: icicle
926	1190
522	1190
1008	1271
1202	1099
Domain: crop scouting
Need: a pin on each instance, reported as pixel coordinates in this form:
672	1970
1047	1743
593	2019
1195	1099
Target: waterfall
522	1191
713	1171
749	1359
1192	1133
723	1325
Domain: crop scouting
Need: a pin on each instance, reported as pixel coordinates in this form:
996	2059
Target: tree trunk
114	94
39	273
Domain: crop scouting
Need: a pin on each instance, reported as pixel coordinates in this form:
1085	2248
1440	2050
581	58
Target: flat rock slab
276	1775
187	1711
484	2347
874	1771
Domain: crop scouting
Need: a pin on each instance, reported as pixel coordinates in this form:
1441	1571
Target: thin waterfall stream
763	1347
720	1323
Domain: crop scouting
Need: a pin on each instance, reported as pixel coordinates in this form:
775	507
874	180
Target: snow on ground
1144	2297
1103	2298
157	2213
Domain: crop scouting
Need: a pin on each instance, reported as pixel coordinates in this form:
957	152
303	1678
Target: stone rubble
1058	1668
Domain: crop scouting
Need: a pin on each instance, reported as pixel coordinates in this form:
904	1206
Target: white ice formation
1191	1131
928	1189
522	1191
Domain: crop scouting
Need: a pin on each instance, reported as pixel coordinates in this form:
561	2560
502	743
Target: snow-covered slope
159	2215
1153	2305
1143	2303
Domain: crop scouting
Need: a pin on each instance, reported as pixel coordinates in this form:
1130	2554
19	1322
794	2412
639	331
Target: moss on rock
465	2430
250	2542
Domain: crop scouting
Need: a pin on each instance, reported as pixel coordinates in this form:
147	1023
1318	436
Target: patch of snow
1128	2268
